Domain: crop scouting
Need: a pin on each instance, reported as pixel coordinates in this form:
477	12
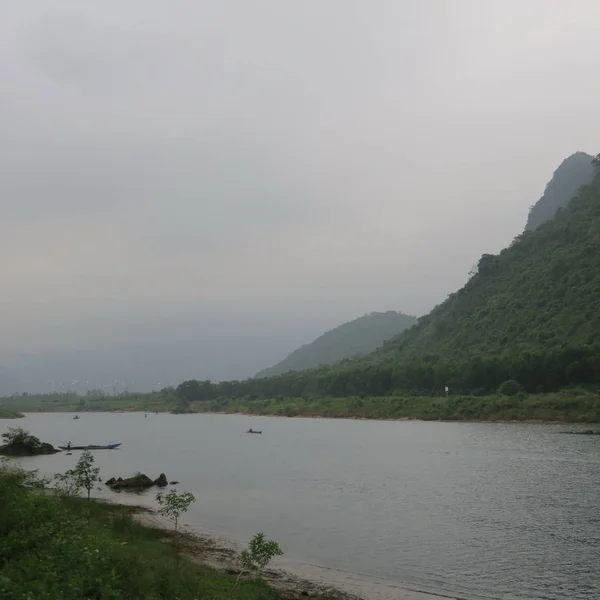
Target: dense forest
528	319
352	339
573	173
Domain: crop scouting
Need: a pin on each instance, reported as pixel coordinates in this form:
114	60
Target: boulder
161	481
137	482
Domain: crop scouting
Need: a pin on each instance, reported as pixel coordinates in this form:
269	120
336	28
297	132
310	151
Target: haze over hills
531	313
350	340
573	172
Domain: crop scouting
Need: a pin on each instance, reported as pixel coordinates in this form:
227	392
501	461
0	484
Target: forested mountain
575	171
530	315
352	339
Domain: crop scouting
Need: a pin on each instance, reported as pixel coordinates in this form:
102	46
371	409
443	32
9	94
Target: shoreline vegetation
571	405
10	414
66	548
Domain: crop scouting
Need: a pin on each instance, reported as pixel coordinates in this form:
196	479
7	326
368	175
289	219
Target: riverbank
291	579
70	548
567	406
10	414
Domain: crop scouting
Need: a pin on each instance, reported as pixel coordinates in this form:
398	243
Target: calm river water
468	510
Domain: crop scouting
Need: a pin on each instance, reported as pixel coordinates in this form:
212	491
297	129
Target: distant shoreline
538	421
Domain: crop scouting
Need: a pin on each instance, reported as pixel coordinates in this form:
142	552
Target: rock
137	482
173	482
161	481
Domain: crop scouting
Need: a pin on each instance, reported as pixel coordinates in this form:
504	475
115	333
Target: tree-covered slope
542	291
529	318
357	337
575	171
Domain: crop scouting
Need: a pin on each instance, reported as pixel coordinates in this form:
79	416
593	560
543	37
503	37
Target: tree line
535	371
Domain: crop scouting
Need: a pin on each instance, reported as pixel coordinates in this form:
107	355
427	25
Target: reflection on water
503	511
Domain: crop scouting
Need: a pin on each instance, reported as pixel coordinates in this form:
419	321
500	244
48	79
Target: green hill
528	319
575	171
352	339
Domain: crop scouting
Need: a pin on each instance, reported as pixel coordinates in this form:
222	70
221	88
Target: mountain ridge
573	173
349	340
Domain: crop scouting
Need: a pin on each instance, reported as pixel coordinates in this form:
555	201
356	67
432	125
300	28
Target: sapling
83	477
172	505
257	556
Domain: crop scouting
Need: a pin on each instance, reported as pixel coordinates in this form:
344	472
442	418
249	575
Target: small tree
510	388
83	477
17	437
173	505
257	556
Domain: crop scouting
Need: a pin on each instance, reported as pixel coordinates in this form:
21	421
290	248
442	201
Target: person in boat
68	446
250	430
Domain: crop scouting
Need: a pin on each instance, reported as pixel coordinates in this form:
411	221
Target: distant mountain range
350	340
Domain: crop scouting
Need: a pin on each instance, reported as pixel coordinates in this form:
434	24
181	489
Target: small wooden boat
253	431
91	447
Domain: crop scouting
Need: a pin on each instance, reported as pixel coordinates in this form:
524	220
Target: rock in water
137	482
161	481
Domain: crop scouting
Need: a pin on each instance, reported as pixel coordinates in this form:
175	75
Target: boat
91	447
253	431
76	417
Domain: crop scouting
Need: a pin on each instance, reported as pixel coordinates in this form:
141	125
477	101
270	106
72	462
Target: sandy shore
292	579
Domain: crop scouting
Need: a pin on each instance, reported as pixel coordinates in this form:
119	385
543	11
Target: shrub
510	388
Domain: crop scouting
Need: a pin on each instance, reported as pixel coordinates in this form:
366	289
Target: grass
6	413
576	405
570	406
72	549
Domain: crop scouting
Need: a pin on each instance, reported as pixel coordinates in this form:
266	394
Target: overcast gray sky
271	167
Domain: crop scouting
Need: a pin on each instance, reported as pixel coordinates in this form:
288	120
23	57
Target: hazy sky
268	168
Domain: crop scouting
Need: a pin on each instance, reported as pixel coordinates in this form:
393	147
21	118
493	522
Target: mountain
355	338
574	172
529	316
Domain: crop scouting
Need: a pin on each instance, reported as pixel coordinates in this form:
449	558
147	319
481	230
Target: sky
250	173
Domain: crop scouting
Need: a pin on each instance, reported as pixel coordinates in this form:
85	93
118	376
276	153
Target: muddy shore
293	580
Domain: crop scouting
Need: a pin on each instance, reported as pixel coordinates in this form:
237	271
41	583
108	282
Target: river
465	510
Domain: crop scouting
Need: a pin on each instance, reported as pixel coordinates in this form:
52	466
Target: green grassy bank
575	405
72	549
6	413
570	406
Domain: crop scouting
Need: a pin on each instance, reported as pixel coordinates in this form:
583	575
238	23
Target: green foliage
83	477
172	505
10	414
350	340
55	548
259	554
510	388
572	405
17	437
